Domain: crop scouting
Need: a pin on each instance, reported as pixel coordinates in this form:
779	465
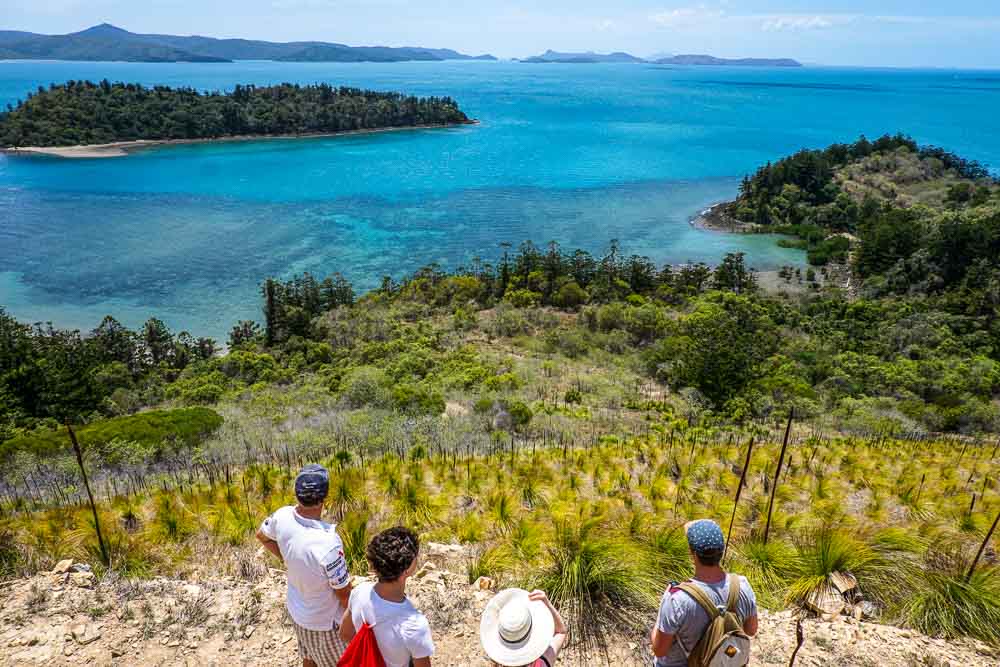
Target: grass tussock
602	583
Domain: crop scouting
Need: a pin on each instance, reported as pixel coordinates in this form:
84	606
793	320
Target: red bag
362	651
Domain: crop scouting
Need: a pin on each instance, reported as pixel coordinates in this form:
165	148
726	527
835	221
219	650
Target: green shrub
502	382
250	367
572	342
570	296
155	429
366	386
519	412
523	298
416	399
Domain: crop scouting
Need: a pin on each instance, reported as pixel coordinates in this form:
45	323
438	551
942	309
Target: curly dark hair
392	551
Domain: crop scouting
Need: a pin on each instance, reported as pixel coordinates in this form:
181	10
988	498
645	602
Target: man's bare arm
421	662
750	626
343	595
270	545
661	642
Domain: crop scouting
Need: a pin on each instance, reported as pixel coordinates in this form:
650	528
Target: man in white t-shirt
401	631
319	584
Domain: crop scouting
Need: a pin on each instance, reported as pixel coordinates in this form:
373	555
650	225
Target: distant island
106	42
704	60
82	113
589	57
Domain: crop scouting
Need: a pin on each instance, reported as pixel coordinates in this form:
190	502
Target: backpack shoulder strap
699	596
734	593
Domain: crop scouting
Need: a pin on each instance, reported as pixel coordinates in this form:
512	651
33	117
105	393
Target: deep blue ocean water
576	153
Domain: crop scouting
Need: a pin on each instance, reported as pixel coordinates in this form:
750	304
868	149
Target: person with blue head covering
319	585
682	619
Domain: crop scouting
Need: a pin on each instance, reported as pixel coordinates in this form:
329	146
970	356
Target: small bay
580	154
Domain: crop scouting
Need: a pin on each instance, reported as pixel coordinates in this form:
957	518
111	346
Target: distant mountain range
107	42
620	57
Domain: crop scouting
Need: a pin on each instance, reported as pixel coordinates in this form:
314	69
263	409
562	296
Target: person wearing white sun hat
522	629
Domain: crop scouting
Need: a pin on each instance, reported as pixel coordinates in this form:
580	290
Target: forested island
83	112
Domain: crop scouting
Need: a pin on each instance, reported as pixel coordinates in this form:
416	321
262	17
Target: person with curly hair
401	631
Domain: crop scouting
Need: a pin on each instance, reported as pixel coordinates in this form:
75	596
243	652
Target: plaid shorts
324	647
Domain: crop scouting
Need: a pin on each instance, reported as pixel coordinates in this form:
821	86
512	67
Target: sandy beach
123	148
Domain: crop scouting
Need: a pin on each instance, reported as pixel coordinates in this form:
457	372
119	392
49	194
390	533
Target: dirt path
72	619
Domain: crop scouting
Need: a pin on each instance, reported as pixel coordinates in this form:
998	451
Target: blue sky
835	32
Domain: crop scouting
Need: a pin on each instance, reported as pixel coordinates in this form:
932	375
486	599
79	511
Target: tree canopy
83	112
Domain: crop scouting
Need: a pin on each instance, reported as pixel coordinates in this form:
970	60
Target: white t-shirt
314	556
401	631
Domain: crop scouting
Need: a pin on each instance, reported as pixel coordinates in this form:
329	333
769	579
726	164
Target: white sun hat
514	630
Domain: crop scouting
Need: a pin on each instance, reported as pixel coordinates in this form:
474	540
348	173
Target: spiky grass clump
414	506
602	584
503	511
821	554
883	564
172	521
946	605
495	562
353	531
670	553
769	567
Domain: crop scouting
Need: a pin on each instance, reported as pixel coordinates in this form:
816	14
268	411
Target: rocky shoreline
716	218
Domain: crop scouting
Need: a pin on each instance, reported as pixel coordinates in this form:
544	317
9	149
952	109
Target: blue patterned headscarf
312	484
705	537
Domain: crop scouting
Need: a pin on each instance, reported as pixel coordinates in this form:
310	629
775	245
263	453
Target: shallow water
579	154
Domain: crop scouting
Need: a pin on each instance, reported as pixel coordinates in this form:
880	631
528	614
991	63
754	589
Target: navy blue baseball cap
312	484
705	537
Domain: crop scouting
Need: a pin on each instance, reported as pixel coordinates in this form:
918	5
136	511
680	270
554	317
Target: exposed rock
192	590
152	633
84	633
844	582
483	584
62	567
826	601
82	579
435	549
425	570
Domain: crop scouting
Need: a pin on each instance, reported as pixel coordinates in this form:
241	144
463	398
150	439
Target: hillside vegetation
927	220
563	414
82	112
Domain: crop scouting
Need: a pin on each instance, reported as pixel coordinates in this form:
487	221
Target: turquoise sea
577	153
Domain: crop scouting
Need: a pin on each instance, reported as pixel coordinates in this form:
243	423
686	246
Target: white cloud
605	25
686	16
789	23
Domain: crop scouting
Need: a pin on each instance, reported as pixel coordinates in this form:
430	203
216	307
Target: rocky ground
68	617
